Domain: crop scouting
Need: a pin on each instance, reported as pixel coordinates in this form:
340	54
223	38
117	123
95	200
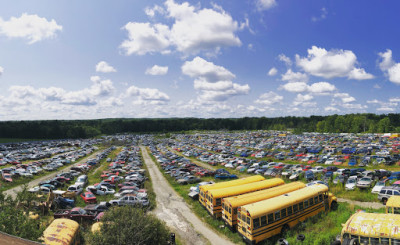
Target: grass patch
363	195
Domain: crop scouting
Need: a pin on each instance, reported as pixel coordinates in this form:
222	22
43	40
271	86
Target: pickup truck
77	214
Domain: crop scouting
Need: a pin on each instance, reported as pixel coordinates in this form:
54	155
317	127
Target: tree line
60	129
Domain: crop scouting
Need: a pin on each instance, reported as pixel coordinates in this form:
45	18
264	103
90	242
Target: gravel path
173	210
373	205
13	191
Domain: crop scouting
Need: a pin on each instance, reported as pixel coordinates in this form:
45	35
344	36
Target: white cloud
394	100
193	30
265	4
31	27
324	13
321	87
269	98
104	67
391	69
146	38
212	81
345	97
151	12
330	64
199	67
375	101
1	70
354	106
331	109
385	109
147	95
272	72
304	100
295	87
292	77
377	86
157	70
285	59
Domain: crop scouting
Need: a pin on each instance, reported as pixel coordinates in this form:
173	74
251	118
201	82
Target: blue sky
105	59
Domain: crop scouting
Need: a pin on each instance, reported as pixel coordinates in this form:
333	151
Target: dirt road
373	205
174	211
13	191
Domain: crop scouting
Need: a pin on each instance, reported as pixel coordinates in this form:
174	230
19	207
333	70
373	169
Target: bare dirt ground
373	205
174	211
13	191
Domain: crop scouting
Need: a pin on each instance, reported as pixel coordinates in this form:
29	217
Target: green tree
129	225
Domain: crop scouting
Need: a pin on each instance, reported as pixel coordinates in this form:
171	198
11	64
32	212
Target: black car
55	183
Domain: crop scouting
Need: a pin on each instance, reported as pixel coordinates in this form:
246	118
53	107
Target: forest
60	129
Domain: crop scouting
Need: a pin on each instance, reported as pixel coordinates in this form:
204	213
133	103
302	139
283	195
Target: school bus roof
393	201
241	189
232	183
60	231
237	201
373	225
262	207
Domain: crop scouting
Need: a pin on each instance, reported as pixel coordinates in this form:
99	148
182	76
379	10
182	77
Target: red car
7	177
89	197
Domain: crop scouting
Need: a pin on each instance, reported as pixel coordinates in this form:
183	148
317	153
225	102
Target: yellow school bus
393	205
371	228
230	205
261	220
61	232
204	188
214	197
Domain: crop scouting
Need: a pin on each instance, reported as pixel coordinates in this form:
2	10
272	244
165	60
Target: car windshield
350	181
365	179
380	184
90	195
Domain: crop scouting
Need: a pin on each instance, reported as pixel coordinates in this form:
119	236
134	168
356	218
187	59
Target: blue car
225	176
394	176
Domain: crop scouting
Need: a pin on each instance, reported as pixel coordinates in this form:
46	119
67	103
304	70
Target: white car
351	183
378	187
77	188
100	190
126	192
317	169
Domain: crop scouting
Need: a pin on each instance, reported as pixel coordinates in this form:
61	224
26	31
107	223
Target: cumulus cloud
331	109
272	72
330	64
292	77
193	30
285	59
147	95
269	98
1	70
151	12
104	67
199	67
31	27
157	70
345	97
265	4
302	98
389	67
212	81
321	88
295	87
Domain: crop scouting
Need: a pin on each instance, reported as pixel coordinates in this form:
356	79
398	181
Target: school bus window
394	241
239	215
263	220
256	223
283	212
270	218
300	206
289	211
218	202
223	205
315	200
321	198
396	211
248	220
235	211
277	215
364	240
295	208
306	204
230	210
375	241
311	202
384	241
